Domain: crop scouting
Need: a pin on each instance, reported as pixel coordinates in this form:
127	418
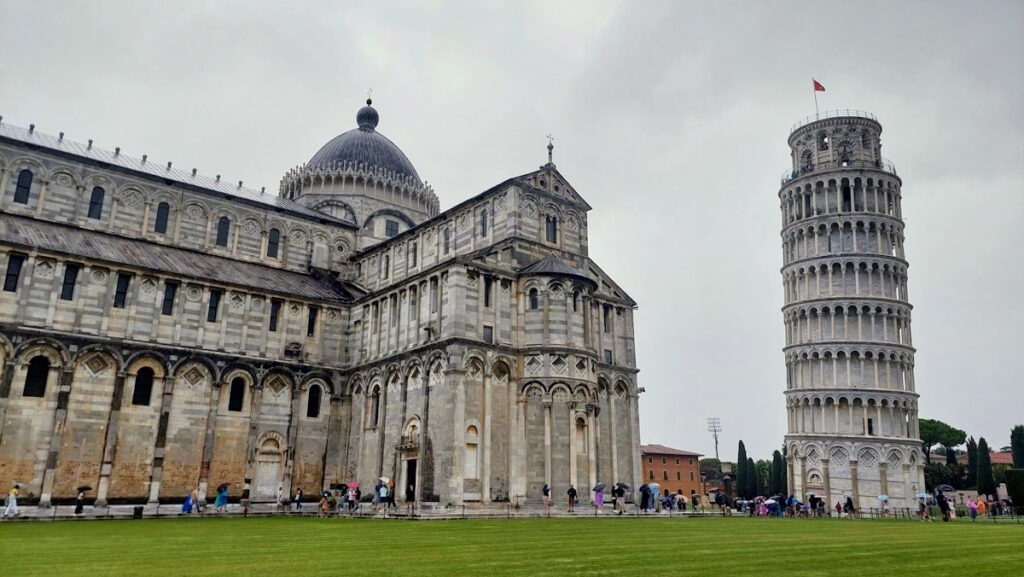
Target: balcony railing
832	114
885	165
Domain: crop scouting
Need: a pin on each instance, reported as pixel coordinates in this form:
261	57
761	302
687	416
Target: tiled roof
552	265
663	450
31	233
156	169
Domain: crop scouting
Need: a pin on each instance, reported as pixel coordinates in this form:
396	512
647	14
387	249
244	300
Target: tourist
572	498
351	498
839	510
186	507
222	499
376	495
383	497
546	491
324	505
850	510
599	500
195	501
620	499
12	502
298	500
972	508
410	496
80	503
391	494
644	492
280	499
943	506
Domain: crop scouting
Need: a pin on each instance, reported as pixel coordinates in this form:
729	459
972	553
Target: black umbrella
83	488
599	487
222	487
622	486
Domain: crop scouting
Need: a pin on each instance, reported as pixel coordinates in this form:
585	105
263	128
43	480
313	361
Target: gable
549	181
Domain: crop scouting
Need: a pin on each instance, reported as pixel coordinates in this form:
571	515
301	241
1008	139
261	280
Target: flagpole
815	98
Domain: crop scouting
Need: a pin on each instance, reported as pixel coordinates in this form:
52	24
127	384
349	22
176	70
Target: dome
366	145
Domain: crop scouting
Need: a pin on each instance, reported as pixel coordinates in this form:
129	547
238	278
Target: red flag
817	86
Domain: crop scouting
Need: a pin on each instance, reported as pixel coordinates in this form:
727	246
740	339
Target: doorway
268	470
409	482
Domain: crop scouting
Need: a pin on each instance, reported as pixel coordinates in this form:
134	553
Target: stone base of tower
834	468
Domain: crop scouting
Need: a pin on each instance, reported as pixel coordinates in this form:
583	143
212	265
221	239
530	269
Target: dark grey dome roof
366	145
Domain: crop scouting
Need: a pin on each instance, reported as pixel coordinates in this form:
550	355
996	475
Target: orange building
673	469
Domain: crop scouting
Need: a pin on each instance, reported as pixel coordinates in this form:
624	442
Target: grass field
606	546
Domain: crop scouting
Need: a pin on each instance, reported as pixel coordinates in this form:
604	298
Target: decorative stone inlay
471	278
895	460
506	286
257	304
558	364
298	236
193	377
294	309
868	458
276	385
839	456
99	276
132	198
194	292
530	208
148	285
400	249
500	203
429	236
44	268
320	238
581	367
534	394
534	365
560	396
237	300
250	226
63	179
96	364
332	314
572	223
194	211
341	248
462	222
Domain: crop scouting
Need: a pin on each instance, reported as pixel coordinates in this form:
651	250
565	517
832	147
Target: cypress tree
986	481
741	471
752	477
972	463
778	484
1017	446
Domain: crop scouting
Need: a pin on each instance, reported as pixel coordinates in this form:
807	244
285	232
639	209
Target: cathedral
162	331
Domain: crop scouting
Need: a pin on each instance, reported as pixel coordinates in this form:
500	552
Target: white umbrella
385	479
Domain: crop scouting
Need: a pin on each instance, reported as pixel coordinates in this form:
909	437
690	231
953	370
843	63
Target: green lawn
584	546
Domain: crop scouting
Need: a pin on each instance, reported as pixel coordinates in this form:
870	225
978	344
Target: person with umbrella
546	496
12	501
80	500
221	503
352	488
572	498
324	503
619	493
382	491
599	497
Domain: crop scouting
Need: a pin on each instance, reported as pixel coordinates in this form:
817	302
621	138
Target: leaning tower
851	400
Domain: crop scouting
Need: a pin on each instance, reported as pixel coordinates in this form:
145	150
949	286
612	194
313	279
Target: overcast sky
670	118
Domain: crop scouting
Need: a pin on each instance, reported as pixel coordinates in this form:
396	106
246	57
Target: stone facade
851	399
161	330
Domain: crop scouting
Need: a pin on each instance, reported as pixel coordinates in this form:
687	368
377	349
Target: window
385	266
413	253
143	387
664	475
237	395
447	240
679	476
275	312
677	460
390	228
170	290
311	324
650	460
488	286
691	475
223	227
23	187
96	202
551	229
211	311
651	475
471	470
664	461
123	280
273	240
162	211
14	262
489	335
575	301
533	299
607	318
67	291
313	404
35	378
691	462
483	223
433	295
607	357
871	426
374	407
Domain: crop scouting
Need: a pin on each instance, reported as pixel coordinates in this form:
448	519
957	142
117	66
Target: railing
832	114
884	164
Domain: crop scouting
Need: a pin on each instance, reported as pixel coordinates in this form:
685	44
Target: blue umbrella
923	495
883	497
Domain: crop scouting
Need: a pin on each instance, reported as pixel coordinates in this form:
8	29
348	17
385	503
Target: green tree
935	432
752	479
764	477
711	468
741	471
972	463
778	484
1017	446
986	481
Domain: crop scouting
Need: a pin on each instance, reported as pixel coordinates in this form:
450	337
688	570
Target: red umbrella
353	485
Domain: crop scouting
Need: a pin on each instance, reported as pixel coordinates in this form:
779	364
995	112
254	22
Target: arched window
273	240
237	395
551	229
665	475
679	476
471	468
483	223
163	210
575	301
23	187
651	474
96	202
534	304
447	240
313	406
223	227
35	378
143	387
374	407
